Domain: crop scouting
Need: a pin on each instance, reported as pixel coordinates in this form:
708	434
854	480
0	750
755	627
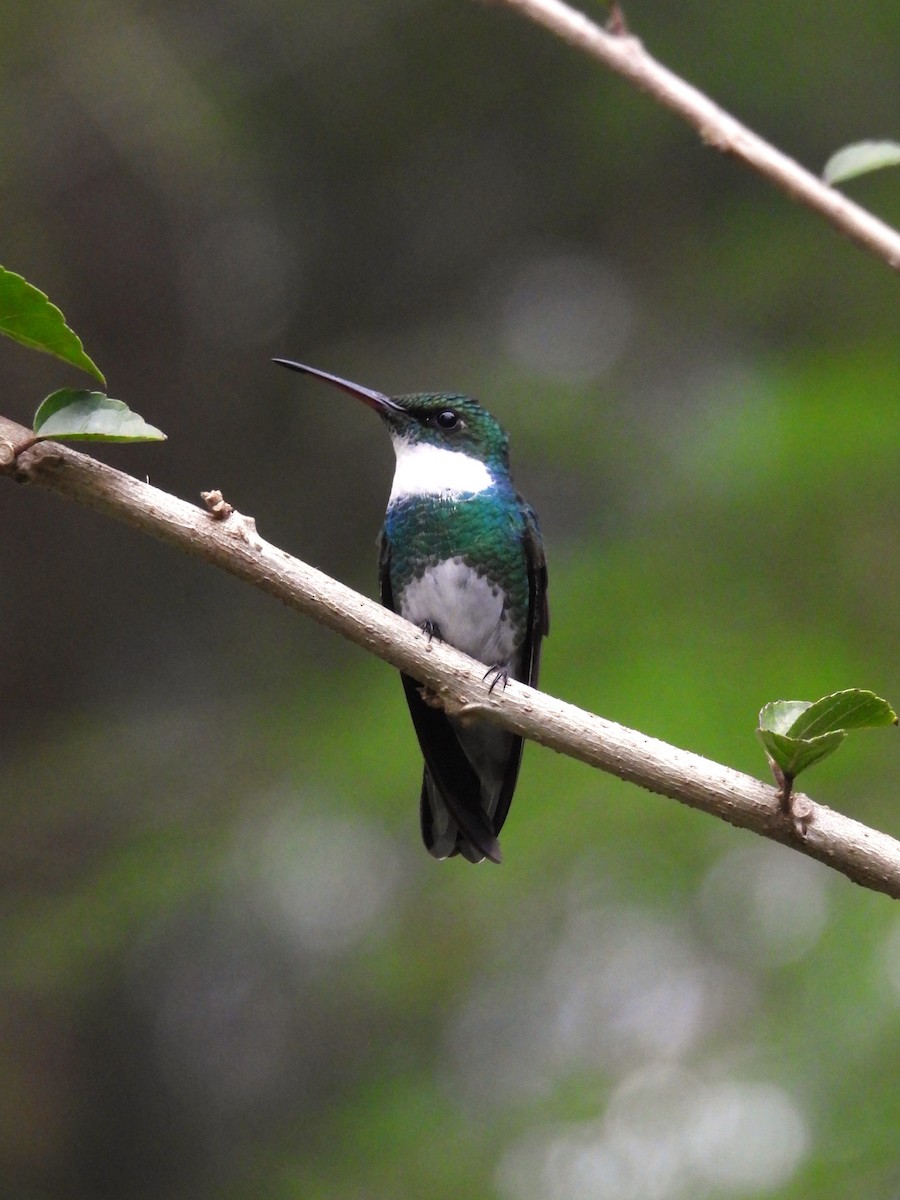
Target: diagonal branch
231	542
626	56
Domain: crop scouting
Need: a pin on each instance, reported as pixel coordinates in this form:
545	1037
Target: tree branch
231	542
626	56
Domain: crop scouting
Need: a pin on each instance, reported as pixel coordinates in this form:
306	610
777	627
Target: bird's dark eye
447	419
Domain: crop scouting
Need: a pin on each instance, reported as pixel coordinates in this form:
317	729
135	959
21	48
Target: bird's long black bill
376	400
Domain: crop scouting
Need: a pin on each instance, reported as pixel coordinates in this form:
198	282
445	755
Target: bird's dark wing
449	776
538	628
538	603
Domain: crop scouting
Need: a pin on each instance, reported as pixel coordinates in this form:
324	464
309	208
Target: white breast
425	470
466	608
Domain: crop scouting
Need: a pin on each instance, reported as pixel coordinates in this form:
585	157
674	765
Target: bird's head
445	420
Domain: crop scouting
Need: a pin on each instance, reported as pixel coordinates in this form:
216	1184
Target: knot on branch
24	459
443	699
217	504
221	510
15	440
245	528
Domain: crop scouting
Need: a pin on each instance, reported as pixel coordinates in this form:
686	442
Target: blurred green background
228	968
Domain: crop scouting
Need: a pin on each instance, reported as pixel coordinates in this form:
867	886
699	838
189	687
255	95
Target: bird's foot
431	630
500	675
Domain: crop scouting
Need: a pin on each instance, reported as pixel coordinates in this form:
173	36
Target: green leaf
797	734
80	416
860	158
851	709
28	316
793	755
779	715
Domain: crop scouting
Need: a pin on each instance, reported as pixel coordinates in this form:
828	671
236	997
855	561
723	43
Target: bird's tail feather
451	827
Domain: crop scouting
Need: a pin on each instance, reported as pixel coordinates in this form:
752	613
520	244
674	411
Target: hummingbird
460	556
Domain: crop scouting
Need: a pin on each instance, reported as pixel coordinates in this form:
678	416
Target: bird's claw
500	675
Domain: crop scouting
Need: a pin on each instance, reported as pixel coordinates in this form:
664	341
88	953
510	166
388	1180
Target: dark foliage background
228	968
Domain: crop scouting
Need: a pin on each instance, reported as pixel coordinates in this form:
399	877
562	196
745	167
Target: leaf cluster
28	316
797	734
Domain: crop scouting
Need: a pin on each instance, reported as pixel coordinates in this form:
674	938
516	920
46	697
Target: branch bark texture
626	56
230	541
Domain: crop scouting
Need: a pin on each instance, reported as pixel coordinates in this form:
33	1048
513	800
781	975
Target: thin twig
231	542
626	56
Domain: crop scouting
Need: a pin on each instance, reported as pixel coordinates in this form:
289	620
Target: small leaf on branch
27	315
796	733
793	755
82	416
851	709
860	158
779	715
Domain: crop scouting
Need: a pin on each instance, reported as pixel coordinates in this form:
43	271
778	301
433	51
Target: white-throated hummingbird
461	557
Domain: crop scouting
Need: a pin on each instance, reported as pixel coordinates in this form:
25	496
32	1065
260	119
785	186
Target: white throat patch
426	470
